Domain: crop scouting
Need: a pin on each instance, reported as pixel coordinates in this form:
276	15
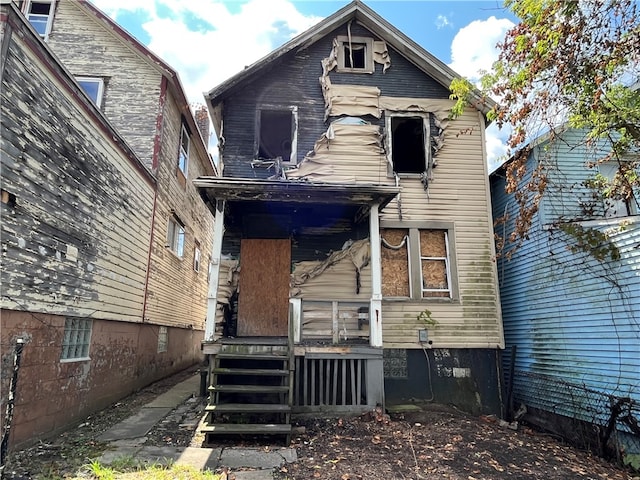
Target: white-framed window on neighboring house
277	134
175	236
196	256
183	154
76	339
163	339
616	207
355	54
40	16
94	87
417	261
407	143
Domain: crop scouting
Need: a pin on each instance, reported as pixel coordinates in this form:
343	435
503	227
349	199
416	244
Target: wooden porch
325	365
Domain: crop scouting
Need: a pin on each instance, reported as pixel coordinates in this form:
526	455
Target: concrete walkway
128	438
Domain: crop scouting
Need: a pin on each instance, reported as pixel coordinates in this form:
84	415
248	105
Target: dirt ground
436	442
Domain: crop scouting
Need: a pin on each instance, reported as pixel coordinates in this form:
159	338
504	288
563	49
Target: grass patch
128	469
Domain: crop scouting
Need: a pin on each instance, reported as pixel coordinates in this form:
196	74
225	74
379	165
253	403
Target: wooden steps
250	391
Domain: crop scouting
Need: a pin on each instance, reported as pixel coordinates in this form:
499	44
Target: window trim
175	229
184	135
100	92
293	109
49	23
85	327
426	128
197	256
414	257
342	41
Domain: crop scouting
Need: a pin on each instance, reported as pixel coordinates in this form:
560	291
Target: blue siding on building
575	321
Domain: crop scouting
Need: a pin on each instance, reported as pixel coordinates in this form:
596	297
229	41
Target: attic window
277	134
40	16
93	87
408	147
355	54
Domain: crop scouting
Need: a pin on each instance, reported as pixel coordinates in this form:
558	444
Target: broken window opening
408	144
277	134
354	54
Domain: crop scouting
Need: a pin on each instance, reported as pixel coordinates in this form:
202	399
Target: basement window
76	339
417	263
175	236
40	16
408	143
92	87
355	54
277	131
163	339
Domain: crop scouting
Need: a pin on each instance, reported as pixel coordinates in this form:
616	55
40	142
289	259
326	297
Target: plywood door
263	302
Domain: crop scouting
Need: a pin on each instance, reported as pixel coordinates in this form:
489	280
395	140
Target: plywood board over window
433	258
395	263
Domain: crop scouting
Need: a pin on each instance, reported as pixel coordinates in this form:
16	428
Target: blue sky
207	41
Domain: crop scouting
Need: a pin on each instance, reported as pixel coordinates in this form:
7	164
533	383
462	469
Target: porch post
375	309
216	252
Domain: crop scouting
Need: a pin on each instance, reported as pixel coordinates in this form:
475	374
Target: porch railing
335	321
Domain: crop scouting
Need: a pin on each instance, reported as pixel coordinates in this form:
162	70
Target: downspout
155	162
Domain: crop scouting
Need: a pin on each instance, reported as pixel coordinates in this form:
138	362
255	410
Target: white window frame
444	259
163	339
614	208
184	150
197	254
99	92
49	18
426	132
76	340
344	41
175	236
415	257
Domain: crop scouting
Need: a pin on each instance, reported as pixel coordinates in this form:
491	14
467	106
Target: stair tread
230	428
248	407
254	356
249	371
250	388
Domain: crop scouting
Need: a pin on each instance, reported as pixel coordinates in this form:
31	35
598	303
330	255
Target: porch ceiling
257	190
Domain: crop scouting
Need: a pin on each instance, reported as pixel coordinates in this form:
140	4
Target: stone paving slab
254	475
251	458
177	394
135	426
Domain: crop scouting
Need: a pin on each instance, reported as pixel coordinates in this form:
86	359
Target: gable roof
360	13
157	63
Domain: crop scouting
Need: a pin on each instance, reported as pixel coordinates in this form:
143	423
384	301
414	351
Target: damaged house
353	247
105	240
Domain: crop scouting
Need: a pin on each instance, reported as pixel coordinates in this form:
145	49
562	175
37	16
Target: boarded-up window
395	263
434	262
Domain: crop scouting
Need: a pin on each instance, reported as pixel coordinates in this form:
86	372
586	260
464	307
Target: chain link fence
606	423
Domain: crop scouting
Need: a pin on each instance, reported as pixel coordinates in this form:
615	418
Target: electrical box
423	337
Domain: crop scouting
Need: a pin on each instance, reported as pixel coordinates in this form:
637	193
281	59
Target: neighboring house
105	240
356	226
573	320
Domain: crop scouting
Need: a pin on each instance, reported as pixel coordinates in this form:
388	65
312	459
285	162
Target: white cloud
205	42
473	50
474	47
442	21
